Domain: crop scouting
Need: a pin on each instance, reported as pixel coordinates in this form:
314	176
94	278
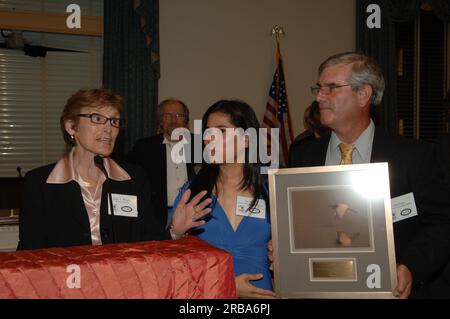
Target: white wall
213	49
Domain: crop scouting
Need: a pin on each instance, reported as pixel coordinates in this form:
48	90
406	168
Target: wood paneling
48	22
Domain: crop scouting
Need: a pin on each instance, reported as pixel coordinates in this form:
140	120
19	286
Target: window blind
33	92
422	48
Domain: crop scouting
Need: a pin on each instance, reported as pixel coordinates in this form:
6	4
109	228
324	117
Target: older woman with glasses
87	198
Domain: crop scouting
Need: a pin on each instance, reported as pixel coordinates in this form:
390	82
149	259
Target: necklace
86	184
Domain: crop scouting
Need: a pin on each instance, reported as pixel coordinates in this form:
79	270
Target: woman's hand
246	290
186	215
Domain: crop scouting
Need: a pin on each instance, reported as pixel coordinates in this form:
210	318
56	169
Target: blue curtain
380	44
131	65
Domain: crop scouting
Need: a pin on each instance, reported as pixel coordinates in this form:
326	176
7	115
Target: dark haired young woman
239	219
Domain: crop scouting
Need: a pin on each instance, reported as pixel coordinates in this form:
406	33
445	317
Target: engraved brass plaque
333	269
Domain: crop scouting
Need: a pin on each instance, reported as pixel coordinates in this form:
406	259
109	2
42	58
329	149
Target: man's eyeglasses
100	119
173	115
327	88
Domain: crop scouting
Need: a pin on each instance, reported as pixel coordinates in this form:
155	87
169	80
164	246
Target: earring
71	137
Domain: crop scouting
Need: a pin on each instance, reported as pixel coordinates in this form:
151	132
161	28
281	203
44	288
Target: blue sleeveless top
247	245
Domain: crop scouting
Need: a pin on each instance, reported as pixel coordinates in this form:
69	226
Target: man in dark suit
154	155
349	83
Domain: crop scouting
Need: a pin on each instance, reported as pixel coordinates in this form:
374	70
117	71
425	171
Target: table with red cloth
185	268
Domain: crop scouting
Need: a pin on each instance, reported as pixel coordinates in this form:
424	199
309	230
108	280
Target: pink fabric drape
185	268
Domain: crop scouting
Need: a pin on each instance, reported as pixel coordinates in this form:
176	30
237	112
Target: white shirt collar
363	147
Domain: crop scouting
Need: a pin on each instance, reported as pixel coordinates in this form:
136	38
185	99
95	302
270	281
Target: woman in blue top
239	219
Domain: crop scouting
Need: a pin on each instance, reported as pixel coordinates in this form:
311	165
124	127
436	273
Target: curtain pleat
131	65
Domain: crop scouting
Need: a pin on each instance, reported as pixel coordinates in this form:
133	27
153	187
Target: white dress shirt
362	152
176	174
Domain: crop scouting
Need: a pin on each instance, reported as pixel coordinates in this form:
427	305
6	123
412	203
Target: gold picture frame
332	232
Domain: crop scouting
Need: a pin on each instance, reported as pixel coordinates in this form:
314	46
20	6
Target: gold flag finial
278	30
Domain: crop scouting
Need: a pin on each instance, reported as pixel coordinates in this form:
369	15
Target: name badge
243	205
403	207
124	205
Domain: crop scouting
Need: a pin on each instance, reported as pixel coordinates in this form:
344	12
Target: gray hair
365	71
168	101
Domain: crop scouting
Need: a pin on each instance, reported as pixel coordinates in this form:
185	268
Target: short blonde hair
95	98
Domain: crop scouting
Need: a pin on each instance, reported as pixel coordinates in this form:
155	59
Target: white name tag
403	207
243	205
124	205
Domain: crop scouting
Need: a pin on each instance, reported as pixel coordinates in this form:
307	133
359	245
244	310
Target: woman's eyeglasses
100	119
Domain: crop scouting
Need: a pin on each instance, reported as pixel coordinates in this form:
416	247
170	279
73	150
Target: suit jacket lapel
71	196
319	153
380	146
322	156
163	173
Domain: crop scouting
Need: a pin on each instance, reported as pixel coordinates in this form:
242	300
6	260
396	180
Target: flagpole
277	113
278	31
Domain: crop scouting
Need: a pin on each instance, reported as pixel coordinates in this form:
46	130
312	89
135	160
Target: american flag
277	111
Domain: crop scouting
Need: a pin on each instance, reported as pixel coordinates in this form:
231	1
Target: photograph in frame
332	232
340	222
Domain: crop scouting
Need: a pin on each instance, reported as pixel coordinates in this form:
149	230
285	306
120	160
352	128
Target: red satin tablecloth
185	268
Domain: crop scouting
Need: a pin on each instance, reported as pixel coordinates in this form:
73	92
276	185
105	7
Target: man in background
154	155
